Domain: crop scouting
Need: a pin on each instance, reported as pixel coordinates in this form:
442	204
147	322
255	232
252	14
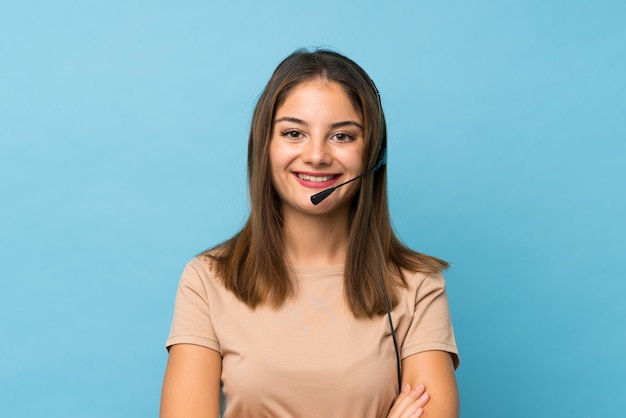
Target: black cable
388	305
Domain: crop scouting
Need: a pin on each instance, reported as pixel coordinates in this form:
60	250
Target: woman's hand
410	403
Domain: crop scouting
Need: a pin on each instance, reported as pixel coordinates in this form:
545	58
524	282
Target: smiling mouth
317	179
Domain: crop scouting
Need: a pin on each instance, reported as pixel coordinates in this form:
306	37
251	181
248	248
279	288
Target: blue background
123	128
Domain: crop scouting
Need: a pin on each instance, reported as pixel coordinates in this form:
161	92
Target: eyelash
346	136
288	134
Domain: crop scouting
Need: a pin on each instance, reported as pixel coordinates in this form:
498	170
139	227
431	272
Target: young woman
293	316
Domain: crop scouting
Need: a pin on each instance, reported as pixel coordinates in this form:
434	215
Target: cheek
355	160
273	156
278	163
281	156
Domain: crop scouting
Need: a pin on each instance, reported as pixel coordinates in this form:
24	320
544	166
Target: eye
343	137
292	134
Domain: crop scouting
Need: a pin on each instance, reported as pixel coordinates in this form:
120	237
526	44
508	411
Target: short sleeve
191	322
431	326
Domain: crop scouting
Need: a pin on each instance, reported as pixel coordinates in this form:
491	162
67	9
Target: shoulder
199	272
421	288
415	266
202	264
421	279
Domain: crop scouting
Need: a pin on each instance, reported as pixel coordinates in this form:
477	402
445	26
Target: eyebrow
332	125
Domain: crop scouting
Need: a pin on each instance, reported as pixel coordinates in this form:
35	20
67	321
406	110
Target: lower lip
316	184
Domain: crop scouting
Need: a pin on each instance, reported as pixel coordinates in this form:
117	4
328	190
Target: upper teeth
314	178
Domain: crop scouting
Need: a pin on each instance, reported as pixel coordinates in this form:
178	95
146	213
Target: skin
410	402
435	370
191	386
317	134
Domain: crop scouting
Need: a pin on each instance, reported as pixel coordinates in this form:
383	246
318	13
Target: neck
312	240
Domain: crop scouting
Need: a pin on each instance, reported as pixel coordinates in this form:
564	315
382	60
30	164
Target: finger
408	402
419	390
412	413
417	413
422	396
412	405
422	400
416	408
399	403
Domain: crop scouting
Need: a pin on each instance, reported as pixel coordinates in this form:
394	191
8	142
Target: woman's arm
435	370
191	387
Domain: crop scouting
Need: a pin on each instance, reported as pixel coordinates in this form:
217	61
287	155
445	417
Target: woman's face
317	143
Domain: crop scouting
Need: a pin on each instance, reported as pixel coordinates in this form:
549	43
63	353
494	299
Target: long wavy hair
252	263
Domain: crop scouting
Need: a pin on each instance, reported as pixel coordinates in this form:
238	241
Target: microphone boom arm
318	197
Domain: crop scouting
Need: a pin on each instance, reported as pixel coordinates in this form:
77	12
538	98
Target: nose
316	152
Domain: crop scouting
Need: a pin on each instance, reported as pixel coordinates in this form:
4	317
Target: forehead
319	96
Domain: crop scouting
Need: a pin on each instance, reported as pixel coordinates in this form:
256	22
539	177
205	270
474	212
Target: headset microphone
382	160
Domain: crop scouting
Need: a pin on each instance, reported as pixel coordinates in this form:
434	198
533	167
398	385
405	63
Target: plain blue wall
123	129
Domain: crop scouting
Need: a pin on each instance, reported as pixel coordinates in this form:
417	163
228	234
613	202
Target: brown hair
252	263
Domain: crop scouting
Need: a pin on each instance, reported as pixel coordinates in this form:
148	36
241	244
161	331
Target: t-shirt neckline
330	269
